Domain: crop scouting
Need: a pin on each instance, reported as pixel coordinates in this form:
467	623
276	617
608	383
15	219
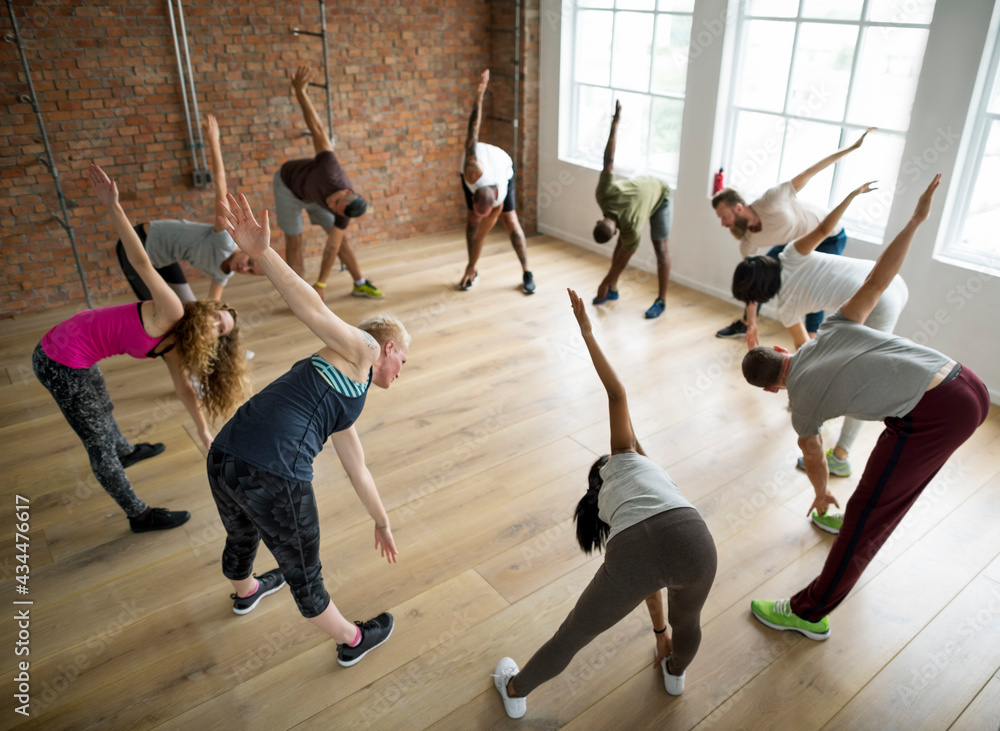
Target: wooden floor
480	451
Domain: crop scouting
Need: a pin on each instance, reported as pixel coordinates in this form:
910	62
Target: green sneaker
779	615
367	289
830	522
837	467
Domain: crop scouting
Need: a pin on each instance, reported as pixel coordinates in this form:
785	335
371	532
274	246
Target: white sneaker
673	683
250	354
507	669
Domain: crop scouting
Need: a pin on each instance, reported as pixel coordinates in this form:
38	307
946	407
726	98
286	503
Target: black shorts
172	273
508	201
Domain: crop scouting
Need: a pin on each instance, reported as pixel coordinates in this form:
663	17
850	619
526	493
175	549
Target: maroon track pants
906	458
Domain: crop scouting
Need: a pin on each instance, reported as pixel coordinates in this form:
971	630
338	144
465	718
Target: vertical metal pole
194	96
180	71
48	160
326	69
517	78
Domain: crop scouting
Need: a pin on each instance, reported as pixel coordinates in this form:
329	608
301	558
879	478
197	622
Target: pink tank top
92	335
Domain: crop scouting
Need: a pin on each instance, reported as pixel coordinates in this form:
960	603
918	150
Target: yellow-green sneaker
779	615
837	467
830	522
367	289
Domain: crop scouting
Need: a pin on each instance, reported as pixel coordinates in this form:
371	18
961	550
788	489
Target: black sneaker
159	519
373	633
141	452
737	330
528	284
267	583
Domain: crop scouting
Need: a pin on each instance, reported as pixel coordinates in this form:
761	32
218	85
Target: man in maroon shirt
321	188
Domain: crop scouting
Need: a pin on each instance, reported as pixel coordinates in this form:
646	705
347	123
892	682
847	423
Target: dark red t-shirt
313	180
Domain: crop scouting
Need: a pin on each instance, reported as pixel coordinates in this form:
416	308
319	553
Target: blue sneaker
656	310
611	295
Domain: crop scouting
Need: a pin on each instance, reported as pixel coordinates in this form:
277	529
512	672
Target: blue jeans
831	245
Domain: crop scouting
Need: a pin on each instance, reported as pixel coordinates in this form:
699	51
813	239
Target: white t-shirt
497	167
169	241
818	281
783	218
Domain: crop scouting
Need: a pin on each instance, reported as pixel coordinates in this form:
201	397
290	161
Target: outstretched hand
211	128
104	187
865	188
923	208
861	139
301	77
254	238
581	312
484	79
618	112
385	542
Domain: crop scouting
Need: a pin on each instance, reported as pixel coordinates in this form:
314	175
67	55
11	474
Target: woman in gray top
654	539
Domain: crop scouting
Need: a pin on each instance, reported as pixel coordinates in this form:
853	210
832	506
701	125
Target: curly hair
218	361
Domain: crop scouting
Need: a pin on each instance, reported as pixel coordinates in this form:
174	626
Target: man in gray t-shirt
931	405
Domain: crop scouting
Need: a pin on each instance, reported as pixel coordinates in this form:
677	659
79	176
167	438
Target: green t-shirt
630	202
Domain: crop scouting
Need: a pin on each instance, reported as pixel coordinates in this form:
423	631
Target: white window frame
570	104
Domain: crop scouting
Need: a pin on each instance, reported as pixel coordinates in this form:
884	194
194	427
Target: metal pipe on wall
201	176
194	95
48	160
296	31
180	71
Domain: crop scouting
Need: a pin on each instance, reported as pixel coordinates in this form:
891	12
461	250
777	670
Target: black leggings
673	550
256	505
172	273
83	398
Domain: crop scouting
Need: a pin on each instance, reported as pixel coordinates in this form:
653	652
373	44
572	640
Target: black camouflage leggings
257	505
83	398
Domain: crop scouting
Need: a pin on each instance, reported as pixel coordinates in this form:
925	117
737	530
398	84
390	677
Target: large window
635	51
971	237
809	77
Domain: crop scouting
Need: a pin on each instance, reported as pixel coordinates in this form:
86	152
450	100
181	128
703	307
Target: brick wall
403	75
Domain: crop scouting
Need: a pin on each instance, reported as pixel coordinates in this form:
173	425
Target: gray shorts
290	207
659	222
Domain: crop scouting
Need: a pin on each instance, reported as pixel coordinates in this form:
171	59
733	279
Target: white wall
952	309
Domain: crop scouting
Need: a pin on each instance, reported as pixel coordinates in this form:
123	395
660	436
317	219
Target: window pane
979	234
902	11
593	121
595	3
673	37
879	160
994	105
633	134
682	6
767	53
632	51
756	151
776	8
637	5
593	47
806	143
887	77
822	70
832	9
665	138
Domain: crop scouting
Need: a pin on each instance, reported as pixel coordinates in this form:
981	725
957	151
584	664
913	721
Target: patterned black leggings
257	505
83	398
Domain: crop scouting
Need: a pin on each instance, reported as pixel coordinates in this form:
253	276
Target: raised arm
300	82
211	129
622	435
609	149
808	243
255	239
799	181
167	306
859	306
473	170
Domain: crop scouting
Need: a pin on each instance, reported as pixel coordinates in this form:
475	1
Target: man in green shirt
626	205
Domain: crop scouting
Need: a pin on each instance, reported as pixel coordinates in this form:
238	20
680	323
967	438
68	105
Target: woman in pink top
199	339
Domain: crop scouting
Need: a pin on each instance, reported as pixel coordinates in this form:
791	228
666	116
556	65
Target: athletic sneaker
467	284
528	284
609	297
507	669
267	583
830	522
779	615
141	452
737	330
368	289
656	310
837	467
373	633
674	684
159	519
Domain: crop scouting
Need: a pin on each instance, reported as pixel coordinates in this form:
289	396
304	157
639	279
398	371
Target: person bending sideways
930	404
488	185
625	207
802	280
260	466
195	338
653	539
771	221
321	188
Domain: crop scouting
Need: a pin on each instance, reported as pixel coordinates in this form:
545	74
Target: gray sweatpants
672	550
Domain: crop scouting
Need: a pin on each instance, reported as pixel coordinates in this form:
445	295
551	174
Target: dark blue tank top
283	428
